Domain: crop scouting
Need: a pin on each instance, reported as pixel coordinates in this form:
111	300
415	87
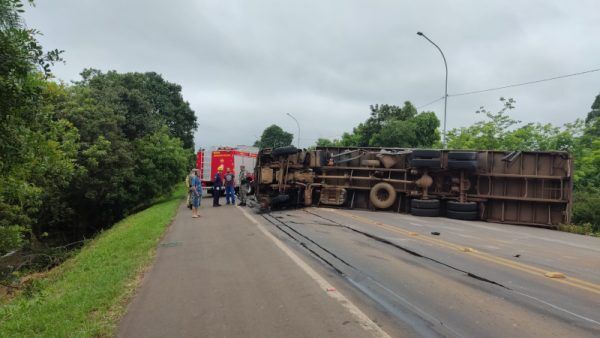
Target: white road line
360	316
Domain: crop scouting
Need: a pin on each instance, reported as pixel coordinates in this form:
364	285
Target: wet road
474	279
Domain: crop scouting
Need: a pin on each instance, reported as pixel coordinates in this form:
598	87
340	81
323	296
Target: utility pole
446	87
298	124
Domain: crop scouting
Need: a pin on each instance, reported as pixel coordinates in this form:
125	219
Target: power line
432	102
524	83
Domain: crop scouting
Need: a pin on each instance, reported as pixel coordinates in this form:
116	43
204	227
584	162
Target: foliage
325	142
146	101
129	152
76	158
392	126
586	208
36	148
501	132
87	295
274	137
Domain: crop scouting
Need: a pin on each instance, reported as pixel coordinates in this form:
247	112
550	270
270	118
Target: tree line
75	158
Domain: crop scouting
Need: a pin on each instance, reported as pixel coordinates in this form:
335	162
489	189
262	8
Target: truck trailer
517	187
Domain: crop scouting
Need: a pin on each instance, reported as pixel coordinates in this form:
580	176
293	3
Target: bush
586	209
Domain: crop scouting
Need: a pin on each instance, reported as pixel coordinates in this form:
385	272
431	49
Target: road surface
233	274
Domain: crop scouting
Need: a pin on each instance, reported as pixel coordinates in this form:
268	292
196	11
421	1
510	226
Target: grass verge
88	294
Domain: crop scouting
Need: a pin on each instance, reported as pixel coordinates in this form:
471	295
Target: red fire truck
208	162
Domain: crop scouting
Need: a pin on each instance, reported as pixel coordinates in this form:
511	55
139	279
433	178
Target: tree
593	115
36	147
274	137
500	132
76	158
147	101
325	142
393	126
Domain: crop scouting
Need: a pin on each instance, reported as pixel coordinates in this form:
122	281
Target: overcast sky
244	64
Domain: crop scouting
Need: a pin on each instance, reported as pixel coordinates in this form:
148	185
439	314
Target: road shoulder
221	275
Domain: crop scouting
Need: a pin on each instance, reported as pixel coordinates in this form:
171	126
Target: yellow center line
575	282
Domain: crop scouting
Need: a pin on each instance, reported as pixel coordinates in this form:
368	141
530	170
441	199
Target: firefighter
218	185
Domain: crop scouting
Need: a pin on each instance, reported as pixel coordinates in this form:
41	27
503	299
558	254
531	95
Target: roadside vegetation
87	295
77	158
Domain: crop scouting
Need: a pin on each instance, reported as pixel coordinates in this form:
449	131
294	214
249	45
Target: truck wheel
425	212
382	195
464	215
425	153
284	151
425	204
279	199
463	165
457	206
425	163
462	155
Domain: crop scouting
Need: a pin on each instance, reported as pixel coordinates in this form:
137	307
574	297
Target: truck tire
279	199
462	155
284	151
464	215
425	212
425	163
462	165
425	153
457	206
382	195
425	204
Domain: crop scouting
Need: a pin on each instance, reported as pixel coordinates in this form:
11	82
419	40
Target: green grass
87	295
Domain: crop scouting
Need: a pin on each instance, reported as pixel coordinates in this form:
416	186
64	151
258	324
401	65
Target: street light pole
446	87
298	124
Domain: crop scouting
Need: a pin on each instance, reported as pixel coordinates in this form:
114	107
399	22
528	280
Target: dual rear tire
425	208
468	211
462	160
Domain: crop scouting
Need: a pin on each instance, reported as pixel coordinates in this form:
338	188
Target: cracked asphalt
220	276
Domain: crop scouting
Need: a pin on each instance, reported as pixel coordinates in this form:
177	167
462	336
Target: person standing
243	185
217	187
196	190
229	187
188	184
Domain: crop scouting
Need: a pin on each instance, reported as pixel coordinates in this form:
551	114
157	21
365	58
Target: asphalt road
474	279
223	275
321	272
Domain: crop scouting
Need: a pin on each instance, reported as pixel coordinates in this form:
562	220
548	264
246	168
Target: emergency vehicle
208	163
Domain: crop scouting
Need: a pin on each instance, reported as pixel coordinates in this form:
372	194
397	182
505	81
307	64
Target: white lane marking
362	318
558	308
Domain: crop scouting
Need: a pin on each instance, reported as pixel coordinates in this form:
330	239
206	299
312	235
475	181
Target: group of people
221	183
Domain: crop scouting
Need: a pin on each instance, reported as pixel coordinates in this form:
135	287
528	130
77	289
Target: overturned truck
530	188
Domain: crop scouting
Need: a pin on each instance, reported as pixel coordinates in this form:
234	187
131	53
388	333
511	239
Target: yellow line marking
550	274
575	282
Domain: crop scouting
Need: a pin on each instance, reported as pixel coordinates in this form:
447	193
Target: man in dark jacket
218	185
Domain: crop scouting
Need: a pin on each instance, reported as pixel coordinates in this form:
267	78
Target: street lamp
298	124
446	88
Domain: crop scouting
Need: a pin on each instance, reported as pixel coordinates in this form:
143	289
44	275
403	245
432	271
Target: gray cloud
244	64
